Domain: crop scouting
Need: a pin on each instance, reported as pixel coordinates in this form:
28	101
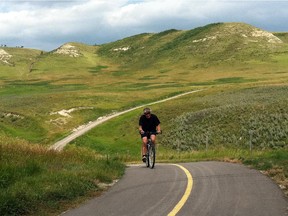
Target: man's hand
141	132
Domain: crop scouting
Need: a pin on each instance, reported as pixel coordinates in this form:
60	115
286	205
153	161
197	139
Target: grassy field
239	116
34	181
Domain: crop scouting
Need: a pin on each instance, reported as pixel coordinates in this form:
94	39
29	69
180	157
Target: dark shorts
147	134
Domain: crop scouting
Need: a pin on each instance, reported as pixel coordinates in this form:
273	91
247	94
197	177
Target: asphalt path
215	189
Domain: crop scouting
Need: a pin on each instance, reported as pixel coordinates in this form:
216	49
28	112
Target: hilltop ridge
213	43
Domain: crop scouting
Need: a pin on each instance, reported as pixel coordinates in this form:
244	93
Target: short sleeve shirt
149	124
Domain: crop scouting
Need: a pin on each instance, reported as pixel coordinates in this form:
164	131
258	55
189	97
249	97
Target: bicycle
151	152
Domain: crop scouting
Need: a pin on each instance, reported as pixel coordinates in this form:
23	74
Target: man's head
147	112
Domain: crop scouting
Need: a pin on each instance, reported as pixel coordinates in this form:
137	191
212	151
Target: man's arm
141	129
140	126
158	128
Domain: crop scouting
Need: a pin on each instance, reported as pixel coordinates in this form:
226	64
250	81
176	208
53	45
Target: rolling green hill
98	79
240	114
209	44
16	62
92	81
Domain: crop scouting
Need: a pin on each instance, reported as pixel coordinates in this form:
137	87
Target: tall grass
248	118
34	180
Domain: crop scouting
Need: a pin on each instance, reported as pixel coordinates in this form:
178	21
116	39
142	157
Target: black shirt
149	124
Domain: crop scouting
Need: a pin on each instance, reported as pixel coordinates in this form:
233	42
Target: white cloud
48	24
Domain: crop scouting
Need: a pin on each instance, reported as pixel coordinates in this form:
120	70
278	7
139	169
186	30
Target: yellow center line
186	195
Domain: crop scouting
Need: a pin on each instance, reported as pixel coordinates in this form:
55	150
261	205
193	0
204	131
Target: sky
48	24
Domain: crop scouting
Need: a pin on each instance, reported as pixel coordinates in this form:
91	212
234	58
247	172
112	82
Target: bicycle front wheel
152	155
147	160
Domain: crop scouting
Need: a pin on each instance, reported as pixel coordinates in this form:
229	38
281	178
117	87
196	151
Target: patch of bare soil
277	174
5	57
68	49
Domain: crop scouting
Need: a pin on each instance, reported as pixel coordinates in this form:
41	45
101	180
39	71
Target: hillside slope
14	62
213	43
200	47
94	80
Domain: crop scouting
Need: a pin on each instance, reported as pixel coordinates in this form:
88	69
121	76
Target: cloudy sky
45	25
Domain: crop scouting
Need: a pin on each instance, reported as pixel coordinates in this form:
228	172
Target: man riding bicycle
149	125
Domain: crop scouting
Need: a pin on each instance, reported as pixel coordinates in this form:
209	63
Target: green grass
268	160
282	35
238	118
213	118
20	126
34	181
19	63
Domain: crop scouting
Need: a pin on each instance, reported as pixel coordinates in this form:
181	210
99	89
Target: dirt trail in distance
85	128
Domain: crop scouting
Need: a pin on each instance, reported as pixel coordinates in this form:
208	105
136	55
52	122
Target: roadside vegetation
35	181
255	117
240	115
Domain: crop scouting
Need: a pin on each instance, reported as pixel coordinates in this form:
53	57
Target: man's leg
144	143
153	138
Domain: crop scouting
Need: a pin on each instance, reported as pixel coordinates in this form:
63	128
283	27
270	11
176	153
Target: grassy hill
200	56
16	62
282	35
241	70
209	44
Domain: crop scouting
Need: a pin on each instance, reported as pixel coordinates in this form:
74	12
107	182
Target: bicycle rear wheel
151	157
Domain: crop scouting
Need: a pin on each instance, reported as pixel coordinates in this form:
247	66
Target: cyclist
148	123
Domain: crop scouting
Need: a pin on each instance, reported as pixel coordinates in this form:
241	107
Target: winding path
62	143
219	189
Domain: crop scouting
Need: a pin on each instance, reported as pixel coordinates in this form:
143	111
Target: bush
235	122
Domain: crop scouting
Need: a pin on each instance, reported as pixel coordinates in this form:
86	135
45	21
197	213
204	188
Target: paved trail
218	189
62	143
